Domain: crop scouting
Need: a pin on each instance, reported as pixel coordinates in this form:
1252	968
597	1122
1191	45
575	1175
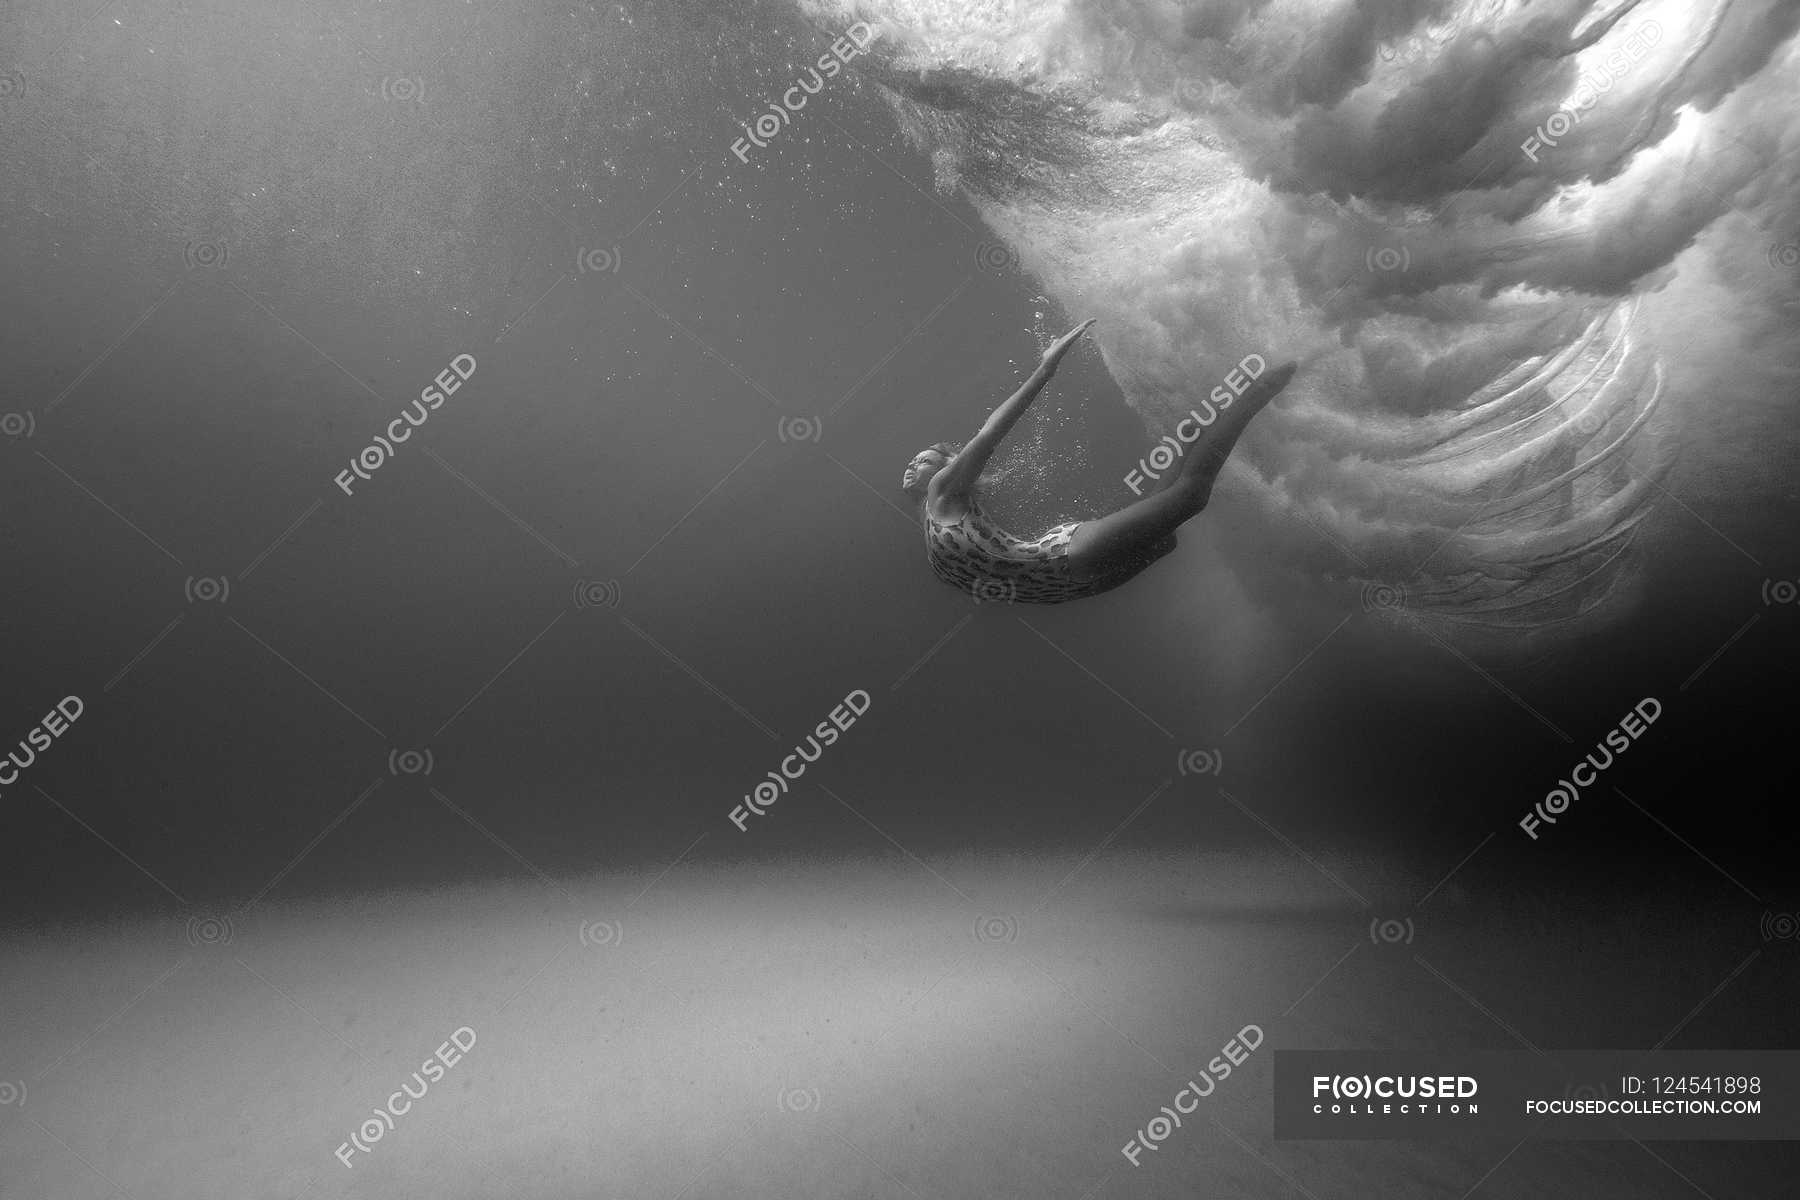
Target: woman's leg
1145	530
1138	532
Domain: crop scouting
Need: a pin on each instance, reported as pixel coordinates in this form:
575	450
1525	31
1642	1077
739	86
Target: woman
1082	558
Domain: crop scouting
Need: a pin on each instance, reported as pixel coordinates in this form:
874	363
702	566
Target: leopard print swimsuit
975	555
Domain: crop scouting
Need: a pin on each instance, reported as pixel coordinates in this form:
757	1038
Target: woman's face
919	471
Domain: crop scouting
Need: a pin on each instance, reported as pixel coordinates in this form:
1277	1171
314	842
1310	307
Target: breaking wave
1389	194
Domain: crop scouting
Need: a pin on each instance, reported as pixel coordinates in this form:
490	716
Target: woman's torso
975	554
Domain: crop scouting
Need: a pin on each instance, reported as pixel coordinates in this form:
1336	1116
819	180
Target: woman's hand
1061	345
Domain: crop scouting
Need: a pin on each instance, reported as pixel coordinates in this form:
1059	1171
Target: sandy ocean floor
967	1027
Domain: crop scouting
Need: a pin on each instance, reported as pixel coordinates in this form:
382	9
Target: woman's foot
1258	394
1209	454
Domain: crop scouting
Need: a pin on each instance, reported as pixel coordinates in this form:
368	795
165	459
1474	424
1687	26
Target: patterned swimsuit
977	556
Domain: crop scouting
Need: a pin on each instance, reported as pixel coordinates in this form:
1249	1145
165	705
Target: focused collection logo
1394	1095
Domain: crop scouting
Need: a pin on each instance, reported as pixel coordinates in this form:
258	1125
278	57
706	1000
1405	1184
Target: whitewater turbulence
1451	212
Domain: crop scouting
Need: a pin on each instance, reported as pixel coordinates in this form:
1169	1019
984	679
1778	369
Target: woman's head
924	465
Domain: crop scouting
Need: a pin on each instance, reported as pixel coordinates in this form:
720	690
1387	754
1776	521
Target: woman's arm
966	467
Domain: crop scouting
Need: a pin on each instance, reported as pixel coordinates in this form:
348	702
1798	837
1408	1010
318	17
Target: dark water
625	428
610	582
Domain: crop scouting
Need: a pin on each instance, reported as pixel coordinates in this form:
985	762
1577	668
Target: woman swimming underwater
1081	558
